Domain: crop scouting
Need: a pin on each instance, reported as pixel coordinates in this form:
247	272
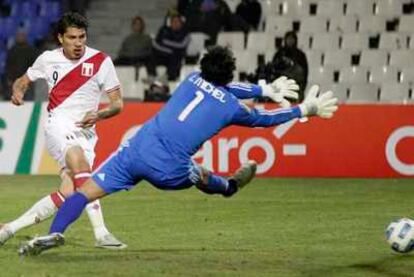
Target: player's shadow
387	266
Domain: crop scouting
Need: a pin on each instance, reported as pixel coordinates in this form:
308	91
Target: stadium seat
3	56
343	24
330	8
406	23
37	27
393	41
394	93
22	9
372	24
340	91
295	8
361	8
187	69
402	58
337	58
383	75
261	42
355	41
407	75
304	40
246	61
233	40
196	45
314	58
363	93
279	25
313	24
322	75
325	41
8	27
374	58
353	75
388	7
126	73
52	10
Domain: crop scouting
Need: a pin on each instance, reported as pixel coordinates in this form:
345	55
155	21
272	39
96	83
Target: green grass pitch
274	227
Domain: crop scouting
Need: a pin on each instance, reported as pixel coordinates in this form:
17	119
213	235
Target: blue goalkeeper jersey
198	110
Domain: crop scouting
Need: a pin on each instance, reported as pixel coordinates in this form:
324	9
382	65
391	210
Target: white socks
94	212
43	209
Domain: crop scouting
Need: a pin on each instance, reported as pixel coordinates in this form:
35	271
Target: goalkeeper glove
280	89
323	105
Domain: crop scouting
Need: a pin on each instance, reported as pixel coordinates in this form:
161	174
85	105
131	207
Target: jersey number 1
191	106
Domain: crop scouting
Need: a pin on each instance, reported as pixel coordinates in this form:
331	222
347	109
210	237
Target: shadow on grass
388	266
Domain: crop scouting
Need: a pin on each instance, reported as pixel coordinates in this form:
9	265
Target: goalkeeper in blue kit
160	152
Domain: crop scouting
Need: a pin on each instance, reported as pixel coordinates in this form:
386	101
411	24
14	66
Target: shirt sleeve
252	117
108	79
244	90
37	70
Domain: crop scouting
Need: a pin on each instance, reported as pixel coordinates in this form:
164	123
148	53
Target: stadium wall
361	141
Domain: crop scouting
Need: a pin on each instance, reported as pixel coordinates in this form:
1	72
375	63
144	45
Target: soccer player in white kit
77	76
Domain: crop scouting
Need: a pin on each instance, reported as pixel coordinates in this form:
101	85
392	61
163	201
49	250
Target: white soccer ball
400	235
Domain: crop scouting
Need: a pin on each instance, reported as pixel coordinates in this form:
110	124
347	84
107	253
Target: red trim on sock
57	199
80	178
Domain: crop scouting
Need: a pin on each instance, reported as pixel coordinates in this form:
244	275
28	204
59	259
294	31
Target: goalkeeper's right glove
323	105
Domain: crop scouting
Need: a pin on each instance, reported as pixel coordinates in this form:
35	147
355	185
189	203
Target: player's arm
19	88
278	90
323	106
115	107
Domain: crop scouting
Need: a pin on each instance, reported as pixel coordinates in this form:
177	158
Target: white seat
361	8
196	45
314	24
321	75
406	23
246	61
187	69
388	7
340	91
363	93
393	41
314	58
325	41
372	24
330	8
356	41
279	25
383	75
295	7
304	40
374	58
260	42
126	73
353	75
407	75
337	58
343	24
233	40
394	93
402	58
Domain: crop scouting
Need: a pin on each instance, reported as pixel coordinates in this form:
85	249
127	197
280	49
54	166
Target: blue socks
217	185
68	212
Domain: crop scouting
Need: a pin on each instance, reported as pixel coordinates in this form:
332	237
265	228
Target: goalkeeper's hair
71	19
217	66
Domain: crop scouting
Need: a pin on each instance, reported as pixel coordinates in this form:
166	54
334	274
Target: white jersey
75	86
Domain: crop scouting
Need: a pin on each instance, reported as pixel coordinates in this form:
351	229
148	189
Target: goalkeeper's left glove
280	89
324	105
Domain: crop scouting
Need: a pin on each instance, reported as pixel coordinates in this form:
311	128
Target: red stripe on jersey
74	80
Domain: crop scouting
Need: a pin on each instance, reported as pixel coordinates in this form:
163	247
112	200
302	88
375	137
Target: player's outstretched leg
214	184
39	244
242	177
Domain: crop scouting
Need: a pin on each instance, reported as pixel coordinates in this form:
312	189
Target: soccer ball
400	235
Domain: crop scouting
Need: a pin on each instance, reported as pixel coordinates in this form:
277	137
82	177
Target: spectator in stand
19	57
251	12
209	17
169	47
136	47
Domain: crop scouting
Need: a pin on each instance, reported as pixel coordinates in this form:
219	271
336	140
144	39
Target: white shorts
62	133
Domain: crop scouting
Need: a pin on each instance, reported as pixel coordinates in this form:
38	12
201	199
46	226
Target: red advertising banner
360	141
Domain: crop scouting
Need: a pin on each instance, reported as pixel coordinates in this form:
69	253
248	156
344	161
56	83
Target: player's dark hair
71	19
217	65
